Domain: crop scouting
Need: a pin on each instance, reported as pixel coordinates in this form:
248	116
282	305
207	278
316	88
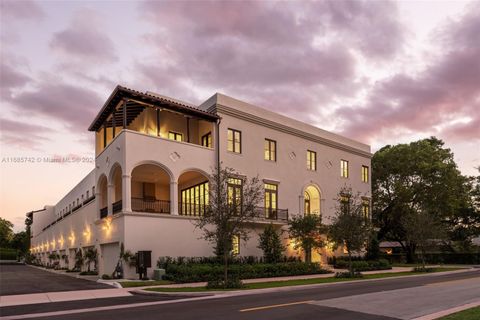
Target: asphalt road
22	279
292	303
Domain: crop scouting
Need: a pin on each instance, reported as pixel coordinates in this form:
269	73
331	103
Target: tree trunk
225	268
410	253
350	267
308	255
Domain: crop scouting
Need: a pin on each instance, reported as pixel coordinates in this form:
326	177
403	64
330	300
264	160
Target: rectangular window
311	160
271	200
364	174
194	200
236	245
270	150
366	208
207	140
234	141
345	203
344	168
234	193
175	136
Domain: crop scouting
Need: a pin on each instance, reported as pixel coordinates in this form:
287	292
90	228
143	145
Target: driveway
21	279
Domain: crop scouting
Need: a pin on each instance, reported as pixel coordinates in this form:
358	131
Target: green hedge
8	254
435	258
205	272
381	264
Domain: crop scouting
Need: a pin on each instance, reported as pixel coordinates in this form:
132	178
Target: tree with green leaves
307	232
6	233
270	243
349	228
79	259
409	179
90	257
232	205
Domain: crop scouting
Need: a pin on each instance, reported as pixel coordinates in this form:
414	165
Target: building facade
153	159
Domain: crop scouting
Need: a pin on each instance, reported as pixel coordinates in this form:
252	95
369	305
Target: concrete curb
286	288
447	312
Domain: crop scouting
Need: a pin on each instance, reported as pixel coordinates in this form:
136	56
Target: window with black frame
234	193
271	200
194	200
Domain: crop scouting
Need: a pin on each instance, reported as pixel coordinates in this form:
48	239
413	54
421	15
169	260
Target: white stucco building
153	157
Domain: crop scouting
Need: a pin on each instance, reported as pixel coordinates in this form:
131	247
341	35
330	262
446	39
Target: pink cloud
84	39
446	90
23	135
73	106
23	10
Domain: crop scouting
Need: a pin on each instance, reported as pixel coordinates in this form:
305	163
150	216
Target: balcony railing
150	205
78	206
271	214
103	212
117	206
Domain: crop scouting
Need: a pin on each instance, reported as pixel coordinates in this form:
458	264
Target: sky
380	72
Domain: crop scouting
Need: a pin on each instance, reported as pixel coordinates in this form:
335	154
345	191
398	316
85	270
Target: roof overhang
122	93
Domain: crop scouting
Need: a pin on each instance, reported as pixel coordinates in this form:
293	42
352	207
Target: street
401	298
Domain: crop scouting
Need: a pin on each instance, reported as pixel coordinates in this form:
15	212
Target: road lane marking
276	306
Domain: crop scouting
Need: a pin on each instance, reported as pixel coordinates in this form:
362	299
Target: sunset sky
379	72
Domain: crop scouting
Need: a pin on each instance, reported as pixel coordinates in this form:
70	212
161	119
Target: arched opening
150	188
311	200
116	178
192	193
103	201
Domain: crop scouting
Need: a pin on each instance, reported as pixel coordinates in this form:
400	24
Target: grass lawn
469	314
276	284
131	284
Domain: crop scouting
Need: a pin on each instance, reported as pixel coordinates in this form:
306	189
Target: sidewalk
15	300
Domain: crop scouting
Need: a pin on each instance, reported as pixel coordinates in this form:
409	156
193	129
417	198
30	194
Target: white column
110	191
301	204
126	193
173	198
97	202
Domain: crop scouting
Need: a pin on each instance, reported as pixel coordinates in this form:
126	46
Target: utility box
158	274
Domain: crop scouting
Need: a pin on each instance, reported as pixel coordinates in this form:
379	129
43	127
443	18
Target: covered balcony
150	189
153	115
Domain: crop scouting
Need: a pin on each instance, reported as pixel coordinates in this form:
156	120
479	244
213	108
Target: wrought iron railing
117	206
150	205
271	214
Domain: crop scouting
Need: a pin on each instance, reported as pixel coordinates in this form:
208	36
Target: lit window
207	140
175	136
364	174
366	209
345	203
271	200
234	141
194	200
236	245
270	150
234	193
311	160
344	168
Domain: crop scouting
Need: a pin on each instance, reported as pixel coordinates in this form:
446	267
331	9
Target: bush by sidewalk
381	264
206	272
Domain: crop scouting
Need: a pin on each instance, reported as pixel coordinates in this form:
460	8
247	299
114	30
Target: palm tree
91	256
78	259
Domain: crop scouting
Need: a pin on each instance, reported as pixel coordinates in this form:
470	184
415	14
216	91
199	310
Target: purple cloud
271	53
83	39
23	135
10	79
73	106
24	9
446	90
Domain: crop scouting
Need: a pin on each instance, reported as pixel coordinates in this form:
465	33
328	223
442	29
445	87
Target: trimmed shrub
89	273
422	269
8	254
106	276
348	275
381	264
206	272
439	258
232	283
